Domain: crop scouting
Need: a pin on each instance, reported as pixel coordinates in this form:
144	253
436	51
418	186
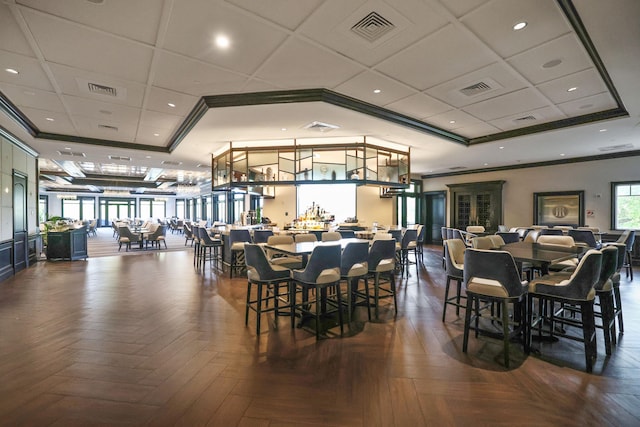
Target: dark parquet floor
147	340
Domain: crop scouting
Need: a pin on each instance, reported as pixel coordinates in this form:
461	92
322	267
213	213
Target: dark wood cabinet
68	245
476	203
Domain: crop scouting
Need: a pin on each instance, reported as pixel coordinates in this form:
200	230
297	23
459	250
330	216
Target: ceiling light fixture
571	89
452	121
171	104
377	91
283	129
519	26
49	119
12	71
561	154
156	134
223	41
603	130
502	148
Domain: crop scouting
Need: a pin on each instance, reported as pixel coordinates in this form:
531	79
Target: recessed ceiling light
486	164
561	154
452	121
156	134
283	129
171	104
603	130
67	148
222	41
11	71
571	89
377	91
502	148
519	26
147	157
49	119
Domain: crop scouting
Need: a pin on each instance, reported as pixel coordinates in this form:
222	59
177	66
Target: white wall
593	177
281	209
371	208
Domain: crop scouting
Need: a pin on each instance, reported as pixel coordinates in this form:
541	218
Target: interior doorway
435	215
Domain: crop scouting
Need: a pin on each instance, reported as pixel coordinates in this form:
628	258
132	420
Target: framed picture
559	208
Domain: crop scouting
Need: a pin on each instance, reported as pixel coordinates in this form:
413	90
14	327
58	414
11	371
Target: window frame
614	202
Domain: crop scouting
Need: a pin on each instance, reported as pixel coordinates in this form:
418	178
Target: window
220	200
408	206
338	200
180	208
626	205
43	208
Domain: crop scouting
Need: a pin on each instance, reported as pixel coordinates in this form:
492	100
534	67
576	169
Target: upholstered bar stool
237	239
454	266
267	279
353	268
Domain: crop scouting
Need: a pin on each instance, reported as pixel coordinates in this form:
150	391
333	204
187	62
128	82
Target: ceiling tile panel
193	77
557	58
298	64
452	120
477	130
104	112
159	100
30	71
447	54
11	37
79	47
61	124
493	24
461	7
111	130
505	105
288	13
591	104
529	118
363	85
32	98
137	20
488	82
419	106
75	82
195	24
405	23
586	82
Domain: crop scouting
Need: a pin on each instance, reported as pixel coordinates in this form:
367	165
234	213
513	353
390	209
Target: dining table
542	255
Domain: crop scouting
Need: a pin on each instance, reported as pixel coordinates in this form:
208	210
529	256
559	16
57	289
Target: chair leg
618	307
588	328
446	297
337	287
505	331
247	305
467	322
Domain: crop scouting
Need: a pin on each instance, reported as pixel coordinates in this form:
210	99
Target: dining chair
492	276
211	245
322	272
482	242
408	243
381	266
331	236
558	240
188	234
577	289
353	268
420	241
509	237
628	263
347	234
278	258
261	236
551	232
267	279
237	239
584	237
615	281
305	237
454	267
158	236
127	237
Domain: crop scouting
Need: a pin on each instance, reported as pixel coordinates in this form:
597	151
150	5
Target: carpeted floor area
105	244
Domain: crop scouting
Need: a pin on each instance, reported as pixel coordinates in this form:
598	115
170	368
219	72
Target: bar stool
237	239
213	245
381	265
454	266
353	268
264	275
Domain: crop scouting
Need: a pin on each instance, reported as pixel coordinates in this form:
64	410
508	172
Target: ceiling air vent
203	165
322	127
476	89
108	127
171	163
616	147
372	27
457	168
525	119
102	90
71	154
121	158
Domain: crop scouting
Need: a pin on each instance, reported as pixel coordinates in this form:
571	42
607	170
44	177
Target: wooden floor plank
145	339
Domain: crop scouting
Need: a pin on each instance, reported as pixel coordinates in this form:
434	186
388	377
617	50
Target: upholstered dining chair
381	265
305	237
322	272
127	237
237	239
454	267
493	276
584	237
331	236
210	248
261	236
267	279
353	268
408	243
278	258
577	289
509	237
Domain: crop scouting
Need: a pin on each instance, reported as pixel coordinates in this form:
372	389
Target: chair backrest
622	248
257	263
354	253
503	228
556	240
188	232
592	229
324	260
306	237
584	236
457	234
382	235
475	229
280	239
532	236
205	237
508	236
551	232
421	231
261	236
443	233
584	277
381	250
608	268
331	236
454	257
450	233
347	234
483	242
496	241
493	273
563	227
396	234
630	240
410	235
238	235
623	237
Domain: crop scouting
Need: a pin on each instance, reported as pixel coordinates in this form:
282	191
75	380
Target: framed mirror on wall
559	208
